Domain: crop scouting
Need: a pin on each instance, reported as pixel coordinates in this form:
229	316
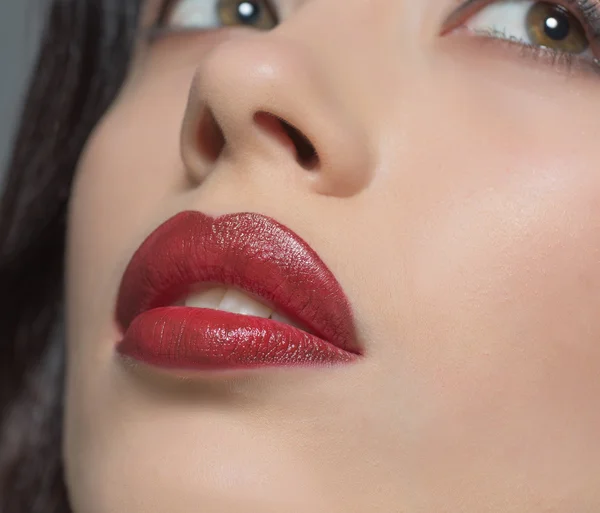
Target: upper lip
248	251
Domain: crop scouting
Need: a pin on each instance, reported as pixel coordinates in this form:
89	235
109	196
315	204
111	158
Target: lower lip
179	337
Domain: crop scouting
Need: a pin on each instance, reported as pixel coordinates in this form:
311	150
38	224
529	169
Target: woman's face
455	197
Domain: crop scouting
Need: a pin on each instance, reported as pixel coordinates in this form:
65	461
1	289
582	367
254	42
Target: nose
260	97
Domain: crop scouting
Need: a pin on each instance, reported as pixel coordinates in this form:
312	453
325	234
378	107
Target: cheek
486	299
130	176
508	359
130	165
129	169
125	183
487	208
520	265
507	253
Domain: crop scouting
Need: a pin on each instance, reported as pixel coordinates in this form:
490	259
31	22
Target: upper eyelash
167	5
163	12
587	10
562	61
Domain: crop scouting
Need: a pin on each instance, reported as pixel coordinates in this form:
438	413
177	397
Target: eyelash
562	62
160	26
590	12
165	8
586	11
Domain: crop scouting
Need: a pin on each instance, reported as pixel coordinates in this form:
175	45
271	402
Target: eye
542	24
212	14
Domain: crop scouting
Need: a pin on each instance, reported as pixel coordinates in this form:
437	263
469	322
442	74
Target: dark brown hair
81	65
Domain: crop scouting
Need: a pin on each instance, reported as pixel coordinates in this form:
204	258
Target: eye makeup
163	13
263	15
160	25
587	11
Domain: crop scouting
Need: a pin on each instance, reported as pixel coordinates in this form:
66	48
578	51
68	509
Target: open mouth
238	291
227	299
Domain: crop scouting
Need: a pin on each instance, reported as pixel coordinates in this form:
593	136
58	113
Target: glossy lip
247	251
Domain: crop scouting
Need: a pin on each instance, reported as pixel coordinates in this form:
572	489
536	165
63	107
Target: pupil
248	11
556	26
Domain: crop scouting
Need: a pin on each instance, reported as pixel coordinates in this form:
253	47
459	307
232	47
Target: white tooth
276	316
210	298
238	302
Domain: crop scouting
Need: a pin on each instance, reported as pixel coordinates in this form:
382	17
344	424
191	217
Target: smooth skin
457	201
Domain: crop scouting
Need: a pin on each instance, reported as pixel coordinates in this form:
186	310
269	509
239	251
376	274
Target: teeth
238	302
235	301
210	298
229	300
275	316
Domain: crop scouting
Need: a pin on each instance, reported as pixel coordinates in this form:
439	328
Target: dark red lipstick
249	252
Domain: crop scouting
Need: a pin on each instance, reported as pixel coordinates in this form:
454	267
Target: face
443	167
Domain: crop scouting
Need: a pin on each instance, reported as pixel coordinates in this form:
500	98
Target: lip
248	251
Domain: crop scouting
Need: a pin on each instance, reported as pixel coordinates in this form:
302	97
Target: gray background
20	27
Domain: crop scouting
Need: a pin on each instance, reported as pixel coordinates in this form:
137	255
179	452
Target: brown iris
553	26
253	13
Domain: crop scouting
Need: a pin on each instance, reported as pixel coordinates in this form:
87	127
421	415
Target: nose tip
262	97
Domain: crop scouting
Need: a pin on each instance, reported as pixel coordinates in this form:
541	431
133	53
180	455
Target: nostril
291	137
305	151
211	139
